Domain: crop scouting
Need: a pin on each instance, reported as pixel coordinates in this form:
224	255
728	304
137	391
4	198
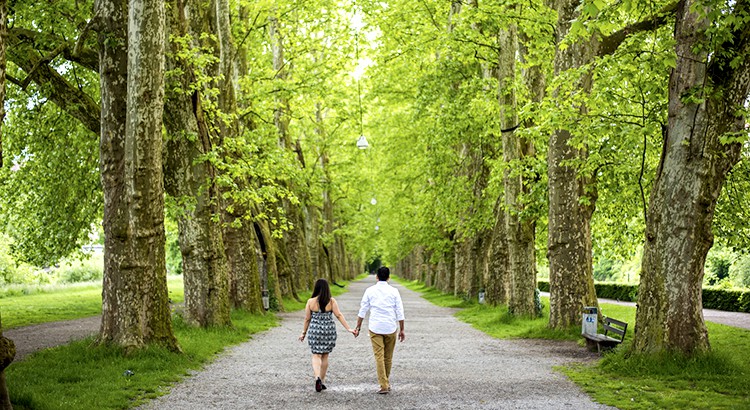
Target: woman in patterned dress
321	330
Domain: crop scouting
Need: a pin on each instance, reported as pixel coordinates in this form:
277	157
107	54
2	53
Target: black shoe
318	385
324	386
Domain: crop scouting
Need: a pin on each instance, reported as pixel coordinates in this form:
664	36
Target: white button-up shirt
384	304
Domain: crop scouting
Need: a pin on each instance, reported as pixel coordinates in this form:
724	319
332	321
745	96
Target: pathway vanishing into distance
443	364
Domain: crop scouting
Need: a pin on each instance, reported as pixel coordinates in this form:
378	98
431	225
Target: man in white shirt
386	318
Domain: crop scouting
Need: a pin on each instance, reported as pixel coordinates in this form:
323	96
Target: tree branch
52	85
609	44
46	43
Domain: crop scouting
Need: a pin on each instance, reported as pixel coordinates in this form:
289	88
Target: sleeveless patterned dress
321	336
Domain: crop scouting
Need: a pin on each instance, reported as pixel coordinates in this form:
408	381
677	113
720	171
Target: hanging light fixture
362	142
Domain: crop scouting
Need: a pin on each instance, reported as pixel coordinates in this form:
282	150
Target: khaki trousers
382	348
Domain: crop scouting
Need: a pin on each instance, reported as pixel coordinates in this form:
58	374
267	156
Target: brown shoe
383	391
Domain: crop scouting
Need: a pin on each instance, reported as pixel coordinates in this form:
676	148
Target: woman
319	312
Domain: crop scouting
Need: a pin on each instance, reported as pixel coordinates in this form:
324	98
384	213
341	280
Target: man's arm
364	307
359	326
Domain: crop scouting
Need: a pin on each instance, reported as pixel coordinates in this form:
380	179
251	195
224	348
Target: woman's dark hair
323	292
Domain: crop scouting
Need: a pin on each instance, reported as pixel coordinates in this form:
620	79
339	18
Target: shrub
82	273
739	272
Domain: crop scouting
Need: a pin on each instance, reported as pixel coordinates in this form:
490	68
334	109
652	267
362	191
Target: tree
7	347
190	176
135	309
708	92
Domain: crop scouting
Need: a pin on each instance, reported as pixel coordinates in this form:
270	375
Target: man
386	318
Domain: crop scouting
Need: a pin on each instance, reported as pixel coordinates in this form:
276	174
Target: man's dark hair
384	273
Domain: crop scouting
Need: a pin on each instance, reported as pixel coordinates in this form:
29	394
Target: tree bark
497	280
191	180
3	40
7	354
7	347
117	320
571	197
135	309
520	230
707	92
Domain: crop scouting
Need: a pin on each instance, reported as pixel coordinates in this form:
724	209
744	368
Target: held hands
355	332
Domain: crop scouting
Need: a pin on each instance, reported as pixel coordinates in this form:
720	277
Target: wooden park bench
604	341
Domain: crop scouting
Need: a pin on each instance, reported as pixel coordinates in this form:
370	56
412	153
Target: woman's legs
316	364
323	366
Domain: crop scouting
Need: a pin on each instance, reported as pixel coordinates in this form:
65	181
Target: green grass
494	320
66	302
718	380
81	376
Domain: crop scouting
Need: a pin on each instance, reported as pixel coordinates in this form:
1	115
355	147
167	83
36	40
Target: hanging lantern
362	142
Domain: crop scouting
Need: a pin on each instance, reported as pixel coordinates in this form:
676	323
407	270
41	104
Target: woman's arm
308	317
340	316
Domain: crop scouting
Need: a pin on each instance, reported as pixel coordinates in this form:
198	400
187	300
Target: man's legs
378	349
389	342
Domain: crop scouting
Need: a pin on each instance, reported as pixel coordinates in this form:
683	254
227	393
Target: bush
739	272
726	299
82	273
87	270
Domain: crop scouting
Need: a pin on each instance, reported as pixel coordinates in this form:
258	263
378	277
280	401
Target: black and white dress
321	336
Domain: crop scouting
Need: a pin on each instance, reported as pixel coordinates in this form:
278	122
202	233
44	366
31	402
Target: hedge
731	300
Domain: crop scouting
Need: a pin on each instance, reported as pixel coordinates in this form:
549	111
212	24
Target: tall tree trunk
571	197
693	167
244	268
135	308
271	268
7	354
497	280
241	243
3	41
144	181
520	231
192	182
7	347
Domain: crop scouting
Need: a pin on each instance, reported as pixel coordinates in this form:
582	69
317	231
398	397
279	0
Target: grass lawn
82	376
63	303
718	380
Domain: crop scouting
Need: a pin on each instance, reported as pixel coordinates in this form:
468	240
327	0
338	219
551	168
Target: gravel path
29	339
444	363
